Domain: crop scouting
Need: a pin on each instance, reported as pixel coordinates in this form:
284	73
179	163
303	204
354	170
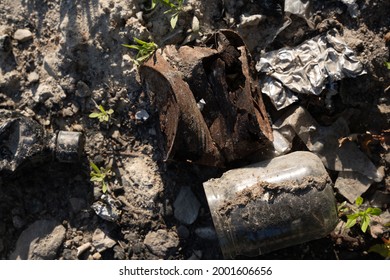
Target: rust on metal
233	122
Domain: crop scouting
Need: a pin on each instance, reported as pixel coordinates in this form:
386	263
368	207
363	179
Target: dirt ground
73	58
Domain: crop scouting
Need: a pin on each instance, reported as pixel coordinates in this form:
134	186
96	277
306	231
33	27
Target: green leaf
104	118
359	201
110	111
153	5
374	211
132	46
380	249
94	167
104	187
97	179
173	20
387	64
94	115
139	41
350	222
101	108
365	223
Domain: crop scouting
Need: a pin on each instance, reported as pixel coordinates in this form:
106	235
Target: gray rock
82	90
40	241
23	35
101	241
5	43
161	242
183	232
207	233
44	92
186	206
141	115
52	64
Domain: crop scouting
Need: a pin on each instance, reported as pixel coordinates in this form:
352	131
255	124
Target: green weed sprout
361	216
145	50
387	64
103	115
173	9
100	175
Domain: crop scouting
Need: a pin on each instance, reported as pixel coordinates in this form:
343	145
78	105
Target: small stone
33	77
81	249
96	256
82	90
161	242
207	233
67	112
5	43
40	241
251	20
141	115
101	241
23	35
51	63
186	206
183	232
44	92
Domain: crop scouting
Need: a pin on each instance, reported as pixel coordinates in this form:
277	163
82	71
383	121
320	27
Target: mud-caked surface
60	59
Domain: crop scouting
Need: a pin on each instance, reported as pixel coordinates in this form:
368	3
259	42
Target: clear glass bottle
272	204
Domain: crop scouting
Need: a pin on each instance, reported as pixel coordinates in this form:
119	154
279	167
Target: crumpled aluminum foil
307	68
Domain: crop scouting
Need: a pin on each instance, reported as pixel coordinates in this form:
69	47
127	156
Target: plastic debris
353	8
272	204
351	185
210	109
107	208
307	68
301	8
324	142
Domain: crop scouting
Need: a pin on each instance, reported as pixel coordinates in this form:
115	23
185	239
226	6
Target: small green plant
145	50
102	115
99	175
387	64
361	216
174	9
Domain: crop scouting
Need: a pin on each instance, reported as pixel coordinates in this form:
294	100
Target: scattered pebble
161	242
33	77
101	241
40	241
81	249
97	256
186	206
141	115
23	35
207	233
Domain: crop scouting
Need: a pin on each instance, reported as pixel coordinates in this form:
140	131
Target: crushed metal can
307	68
210	107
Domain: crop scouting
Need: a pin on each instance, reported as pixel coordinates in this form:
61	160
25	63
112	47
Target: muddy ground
70	56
